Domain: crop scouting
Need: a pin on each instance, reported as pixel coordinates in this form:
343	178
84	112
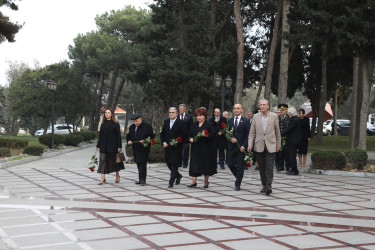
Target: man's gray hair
249	111
261	100
293	111
226	112
182	105
173	108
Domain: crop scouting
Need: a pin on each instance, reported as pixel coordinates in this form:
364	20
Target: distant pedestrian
293	141
138	132
265	138
203	153
304	125
188	119
172	136
284	119
226	115
109	144
220	141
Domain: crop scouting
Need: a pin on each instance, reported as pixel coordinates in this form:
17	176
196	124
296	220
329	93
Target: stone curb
341	173
44	156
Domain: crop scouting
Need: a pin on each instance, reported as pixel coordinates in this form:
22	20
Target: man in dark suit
293	140
283	123
188	119
138	132
173	129
220	141
238	144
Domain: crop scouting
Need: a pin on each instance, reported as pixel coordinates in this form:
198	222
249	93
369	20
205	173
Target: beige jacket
272	137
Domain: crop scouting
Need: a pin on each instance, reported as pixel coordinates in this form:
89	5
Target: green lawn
338	143
33	140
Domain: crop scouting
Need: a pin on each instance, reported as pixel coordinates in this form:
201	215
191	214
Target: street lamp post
52	88
221	84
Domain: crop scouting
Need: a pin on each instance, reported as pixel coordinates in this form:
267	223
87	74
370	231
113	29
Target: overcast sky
50	27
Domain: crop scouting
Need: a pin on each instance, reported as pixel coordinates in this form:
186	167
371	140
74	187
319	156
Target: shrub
87	135
328	160
20	144
73	140
46	139
13	143
34	150
357	158
4	152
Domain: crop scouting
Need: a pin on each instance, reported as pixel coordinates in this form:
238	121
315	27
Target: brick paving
55	203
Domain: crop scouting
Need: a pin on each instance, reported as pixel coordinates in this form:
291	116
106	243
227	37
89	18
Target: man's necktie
182	117
135	132
216	119
236	123
171	124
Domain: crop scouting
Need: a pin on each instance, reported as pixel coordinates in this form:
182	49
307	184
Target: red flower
179	139
248	164
205	132
92	169
153	141
223	125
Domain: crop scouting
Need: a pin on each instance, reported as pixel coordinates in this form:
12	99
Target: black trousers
237	165
266	161
283	160
221	157
185	157
142	170
292	153
174	173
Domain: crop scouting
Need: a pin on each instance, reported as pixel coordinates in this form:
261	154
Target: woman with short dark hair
305	137
109	144
203	155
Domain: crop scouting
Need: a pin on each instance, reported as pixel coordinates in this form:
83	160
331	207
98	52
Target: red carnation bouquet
223	128
200	134
94	162
147	142
176	141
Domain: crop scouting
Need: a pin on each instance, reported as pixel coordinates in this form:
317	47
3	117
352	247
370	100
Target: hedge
87	135
73	140
357	158
14	144
4	152
34	150
46	139
328	160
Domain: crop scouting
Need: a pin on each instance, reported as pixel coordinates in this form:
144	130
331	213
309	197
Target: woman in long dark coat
203	153
305	137
109	144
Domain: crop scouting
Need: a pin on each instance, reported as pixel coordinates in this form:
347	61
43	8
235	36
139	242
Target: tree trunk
353	118
117	96
264	71
323	98
240	52
271	57
366	72
284	55
210	109
112	88
98	103
315	109
335	112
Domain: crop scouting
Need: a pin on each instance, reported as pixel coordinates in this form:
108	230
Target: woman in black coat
203	153
305	137
109	144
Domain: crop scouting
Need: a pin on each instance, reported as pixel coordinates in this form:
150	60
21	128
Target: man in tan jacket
265	138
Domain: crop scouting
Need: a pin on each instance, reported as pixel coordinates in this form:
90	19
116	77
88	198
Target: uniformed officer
284	120
138	132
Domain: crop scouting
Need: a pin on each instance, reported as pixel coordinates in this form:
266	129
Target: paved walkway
55	203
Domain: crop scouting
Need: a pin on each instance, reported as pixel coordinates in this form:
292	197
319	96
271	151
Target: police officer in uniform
284	120
138	132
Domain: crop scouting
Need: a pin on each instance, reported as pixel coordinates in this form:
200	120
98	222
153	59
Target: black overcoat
144	130
241	134
304	125
292	132
109	137
172	154
203	152
220	140
188	119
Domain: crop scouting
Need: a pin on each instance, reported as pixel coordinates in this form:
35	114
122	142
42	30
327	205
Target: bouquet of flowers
248	158
228	132
248	155
146	142
176	141
94	162
222	127
196	138
283	143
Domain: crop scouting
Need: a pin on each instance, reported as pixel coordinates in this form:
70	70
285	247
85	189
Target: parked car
316	125
343	127
370	129
61	129
22	131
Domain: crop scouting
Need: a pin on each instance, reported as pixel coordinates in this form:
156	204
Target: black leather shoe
192	185
185	166
101	183
206	186
178	180
142	183
268	192
256	168
280	169
170	186
263	190
222	167
237	188
137	182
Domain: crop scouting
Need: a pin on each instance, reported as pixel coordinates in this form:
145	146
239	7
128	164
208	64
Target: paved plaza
55	203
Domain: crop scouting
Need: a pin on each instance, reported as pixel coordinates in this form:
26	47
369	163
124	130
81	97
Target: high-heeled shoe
101	183
117	181
192	185
206	186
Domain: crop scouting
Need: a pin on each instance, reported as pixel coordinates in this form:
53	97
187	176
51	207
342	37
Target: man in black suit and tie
220	141
173	130
138	132
188	119
238	144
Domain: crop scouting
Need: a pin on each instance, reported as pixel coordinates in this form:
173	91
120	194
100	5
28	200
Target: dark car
343	127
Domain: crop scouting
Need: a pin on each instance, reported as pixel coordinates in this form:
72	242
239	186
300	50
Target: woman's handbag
120	157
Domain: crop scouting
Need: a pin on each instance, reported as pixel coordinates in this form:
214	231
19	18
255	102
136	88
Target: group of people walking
262	135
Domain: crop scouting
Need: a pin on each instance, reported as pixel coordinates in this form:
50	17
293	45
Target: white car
341	123
61	129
